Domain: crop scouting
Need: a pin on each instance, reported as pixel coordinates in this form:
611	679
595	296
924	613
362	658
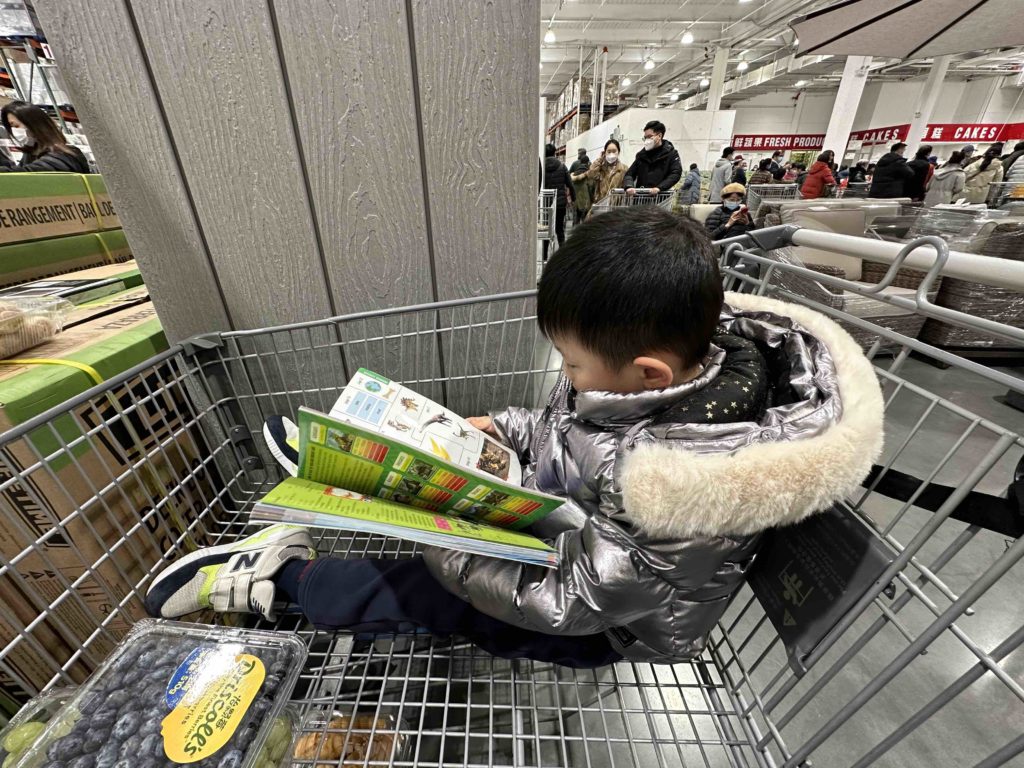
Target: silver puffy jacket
669	491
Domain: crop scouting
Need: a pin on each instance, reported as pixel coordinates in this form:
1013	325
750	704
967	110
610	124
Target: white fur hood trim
670	491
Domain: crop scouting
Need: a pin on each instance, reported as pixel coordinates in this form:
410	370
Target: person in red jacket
818	178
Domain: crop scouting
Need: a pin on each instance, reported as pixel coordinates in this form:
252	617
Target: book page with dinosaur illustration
393	410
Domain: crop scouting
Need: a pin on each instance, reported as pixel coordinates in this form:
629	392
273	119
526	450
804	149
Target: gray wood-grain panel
217	70
351	84
476	66
96	45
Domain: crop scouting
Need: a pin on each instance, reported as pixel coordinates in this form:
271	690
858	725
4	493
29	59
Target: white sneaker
231	578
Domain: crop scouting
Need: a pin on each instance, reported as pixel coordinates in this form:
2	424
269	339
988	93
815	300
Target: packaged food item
350	740
26	726
26	322
178	694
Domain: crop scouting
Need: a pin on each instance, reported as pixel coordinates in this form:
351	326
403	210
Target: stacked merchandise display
74	313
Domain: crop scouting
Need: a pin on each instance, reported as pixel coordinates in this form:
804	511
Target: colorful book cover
344	454
304	502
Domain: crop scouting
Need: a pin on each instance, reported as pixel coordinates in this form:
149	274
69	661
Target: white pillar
601	86
926	102
542	128
652	96
855	75
717	80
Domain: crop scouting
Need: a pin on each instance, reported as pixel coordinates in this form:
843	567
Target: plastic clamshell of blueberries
173	694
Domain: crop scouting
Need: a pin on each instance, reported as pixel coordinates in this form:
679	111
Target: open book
389	461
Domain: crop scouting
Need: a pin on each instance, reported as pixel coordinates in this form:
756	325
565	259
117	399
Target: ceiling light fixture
649	64
549	36
674	97
801	83
542	65
626	82
704	83
675	90
687	37
742	66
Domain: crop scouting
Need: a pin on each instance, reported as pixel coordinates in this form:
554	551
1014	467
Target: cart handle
1002	273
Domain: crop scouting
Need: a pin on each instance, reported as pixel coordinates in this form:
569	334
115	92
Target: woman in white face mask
43	147
608	171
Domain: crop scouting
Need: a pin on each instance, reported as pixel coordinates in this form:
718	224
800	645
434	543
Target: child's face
589	372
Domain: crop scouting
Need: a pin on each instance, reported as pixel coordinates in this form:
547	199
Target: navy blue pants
383	596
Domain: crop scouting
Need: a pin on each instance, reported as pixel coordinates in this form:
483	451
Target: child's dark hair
633	281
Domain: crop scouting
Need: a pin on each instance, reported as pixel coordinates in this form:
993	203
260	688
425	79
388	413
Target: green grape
18	740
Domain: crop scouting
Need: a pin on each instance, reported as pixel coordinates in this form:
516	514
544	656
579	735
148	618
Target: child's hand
484	424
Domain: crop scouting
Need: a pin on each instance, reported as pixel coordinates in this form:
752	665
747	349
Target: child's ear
656	373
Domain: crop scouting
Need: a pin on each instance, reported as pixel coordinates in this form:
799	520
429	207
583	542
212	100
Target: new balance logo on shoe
246	560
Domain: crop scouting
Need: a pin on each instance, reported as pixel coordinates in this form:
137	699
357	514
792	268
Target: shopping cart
619	198
545	214
855	189
917	673
1007	195
770	193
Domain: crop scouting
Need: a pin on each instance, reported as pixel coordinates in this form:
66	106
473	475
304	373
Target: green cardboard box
35	206
106	216
22	262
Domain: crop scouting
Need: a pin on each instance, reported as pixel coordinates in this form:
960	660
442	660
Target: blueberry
115	699
107	756
65	747
103	718
95	739
149	726
278	669
123	763
129	749
232	759
152	746
83	761
126	725
150	658
271	683
92	701
133	676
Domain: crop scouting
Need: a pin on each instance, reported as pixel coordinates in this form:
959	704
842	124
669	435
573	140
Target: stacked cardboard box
91	500
52	223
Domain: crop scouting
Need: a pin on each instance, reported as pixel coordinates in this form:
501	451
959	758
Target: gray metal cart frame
919	673
545	214
619	198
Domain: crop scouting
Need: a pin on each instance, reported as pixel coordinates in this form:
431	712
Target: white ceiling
756	31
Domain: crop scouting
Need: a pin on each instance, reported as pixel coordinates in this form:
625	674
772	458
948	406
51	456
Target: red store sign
888	135
968	132
778	141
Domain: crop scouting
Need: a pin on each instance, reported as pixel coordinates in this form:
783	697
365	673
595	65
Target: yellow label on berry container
197	729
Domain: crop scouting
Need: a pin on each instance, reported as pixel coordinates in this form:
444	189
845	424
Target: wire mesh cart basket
770	193
100	493
545	214
619	198
856	189
1007	195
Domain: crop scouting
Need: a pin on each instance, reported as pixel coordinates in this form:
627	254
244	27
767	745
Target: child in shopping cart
680	430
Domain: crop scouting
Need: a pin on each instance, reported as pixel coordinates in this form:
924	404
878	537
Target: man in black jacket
891	174
657	167
556	177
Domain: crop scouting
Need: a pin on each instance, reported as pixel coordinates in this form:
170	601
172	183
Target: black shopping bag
809	575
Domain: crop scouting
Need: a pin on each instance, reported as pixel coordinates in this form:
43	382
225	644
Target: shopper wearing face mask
657	167
43	147
730	219
608	171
